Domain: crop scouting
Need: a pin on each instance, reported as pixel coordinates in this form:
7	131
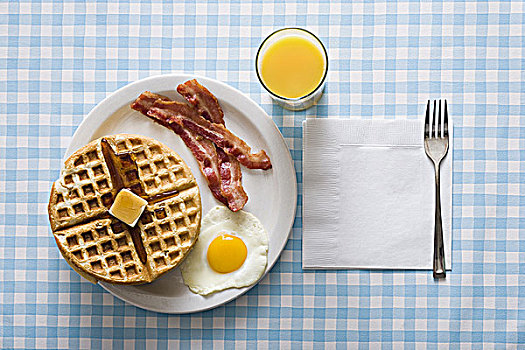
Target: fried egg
232	251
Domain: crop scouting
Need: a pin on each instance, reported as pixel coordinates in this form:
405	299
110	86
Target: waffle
101	247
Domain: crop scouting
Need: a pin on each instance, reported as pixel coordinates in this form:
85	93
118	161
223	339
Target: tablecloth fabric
58	60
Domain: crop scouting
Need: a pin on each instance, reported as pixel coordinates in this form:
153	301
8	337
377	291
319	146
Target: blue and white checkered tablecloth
58	60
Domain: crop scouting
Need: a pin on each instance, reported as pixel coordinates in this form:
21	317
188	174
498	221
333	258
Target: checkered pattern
386	59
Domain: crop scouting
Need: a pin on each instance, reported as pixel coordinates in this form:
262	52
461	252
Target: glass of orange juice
292	65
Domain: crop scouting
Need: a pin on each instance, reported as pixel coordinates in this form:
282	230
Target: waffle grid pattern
84	191
159	171
104	245
165	228
387	58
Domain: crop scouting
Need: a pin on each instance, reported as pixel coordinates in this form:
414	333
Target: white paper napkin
368	195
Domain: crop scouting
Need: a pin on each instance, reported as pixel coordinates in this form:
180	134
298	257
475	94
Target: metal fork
436	147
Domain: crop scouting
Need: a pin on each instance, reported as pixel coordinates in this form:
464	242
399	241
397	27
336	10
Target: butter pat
128	207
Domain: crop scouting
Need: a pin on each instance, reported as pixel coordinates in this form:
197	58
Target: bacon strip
146	100
202	99
206	155
231	181
229	167
202	149
182	114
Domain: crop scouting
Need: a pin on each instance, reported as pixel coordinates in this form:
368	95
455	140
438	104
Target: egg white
197	273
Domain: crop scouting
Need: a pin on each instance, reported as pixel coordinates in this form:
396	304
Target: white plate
272	193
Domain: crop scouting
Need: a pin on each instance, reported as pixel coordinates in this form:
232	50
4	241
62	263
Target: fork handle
439	252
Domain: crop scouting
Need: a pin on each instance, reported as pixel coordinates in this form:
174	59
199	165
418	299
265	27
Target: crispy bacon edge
203	100
184	115
202	149
231	181
208	107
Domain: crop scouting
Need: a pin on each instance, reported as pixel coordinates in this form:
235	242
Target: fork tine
427	120
434	121
446	120
439	128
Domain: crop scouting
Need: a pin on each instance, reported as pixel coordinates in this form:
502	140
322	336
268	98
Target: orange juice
292	67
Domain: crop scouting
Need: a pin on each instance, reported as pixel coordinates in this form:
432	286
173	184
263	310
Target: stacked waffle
101	247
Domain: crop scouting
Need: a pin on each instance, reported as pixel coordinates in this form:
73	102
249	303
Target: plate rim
97	116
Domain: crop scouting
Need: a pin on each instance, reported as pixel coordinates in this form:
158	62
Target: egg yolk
226	253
